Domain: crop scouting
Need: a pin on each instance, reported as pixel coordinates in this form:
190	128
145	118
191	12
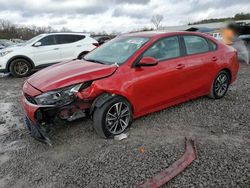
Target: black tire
220	86
101	118
20	68
81	55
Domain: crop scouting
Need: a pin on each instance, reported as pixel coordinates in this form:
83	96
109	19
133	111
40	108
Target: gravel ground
79	158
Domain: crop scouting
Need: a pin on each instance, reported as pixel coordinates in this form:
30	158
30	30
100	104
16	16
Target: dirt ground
79	158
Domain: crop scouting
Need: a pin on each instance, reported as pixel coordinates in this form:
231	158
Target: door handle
180	66
214	59
56	48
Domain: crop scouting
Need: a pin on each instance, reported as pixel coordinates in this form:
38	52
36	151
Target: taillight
96	44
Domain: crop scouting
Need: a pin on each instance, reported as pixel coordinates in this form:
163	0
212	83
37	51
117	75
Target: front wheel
220	85
113	118
20	68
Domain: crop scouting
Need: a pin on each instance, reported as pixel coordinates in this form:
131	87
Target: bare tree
65	29
9	30
156	20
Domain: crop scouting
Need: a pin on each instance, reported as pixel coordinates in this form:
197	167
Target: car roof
158	34
68	33
244	36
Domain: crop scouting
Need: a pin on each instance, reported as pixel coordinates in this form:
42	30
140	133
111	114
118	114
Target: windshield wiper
94	61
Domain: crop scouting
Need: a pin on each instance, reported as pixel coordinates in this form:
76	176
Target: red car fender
102	86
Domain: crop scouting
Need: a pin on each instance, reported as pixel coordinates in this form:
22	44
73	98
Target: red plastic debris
177	167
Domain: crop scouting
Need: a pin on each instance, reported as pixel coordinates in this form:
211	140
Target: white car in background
44	50
217	36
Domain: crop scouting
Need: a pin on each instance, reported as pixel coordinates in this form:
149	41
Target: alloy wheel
21	68
118	118
221	84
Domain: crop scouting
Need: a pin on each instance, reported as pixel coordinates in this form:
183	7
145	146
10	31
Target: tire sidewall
12	64
100	117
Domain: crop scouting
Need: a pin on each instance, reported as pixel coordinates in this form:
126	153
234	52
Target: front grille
30	99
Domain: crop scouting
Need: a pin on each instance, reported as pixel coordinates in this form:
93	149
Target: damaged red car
128	77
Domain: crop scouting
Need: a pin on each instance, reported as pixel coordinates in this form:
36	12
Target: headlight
60	97
3	53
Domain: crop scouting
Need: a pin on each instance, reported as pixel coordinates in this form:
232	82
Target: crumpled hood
69	73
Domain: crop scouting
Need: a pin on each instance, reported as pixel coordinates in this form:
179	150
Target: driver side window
164	49
49	40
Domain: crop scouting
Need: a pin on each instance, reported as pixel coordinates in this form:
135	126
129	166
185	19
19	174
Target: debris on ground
121	136
176	168
141	149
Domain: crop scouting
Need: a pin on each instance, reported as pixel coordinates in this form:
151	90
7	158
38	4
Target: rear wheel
220	85
20	68
113	118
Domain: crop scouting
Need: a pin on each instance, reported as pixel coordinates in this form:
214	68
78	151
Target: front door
159	85
48	52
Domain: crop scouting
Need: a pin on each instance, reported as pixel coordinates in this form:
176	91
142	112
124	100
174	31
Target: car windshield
116	51
34	39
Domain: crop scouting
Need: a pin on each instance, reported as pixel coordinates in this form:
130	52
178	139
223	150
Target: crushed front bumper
39	119
37	131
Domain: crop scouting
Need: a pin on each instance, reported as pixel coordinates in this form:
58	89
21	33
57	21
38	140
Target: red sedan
127	77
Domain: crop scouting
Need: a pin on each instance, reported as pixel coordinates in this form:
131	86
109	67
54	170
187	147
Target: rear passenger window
212	45
65	39
164	49
195	44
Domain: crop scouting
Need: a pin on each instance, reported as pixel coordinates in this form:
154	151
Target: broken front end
43	110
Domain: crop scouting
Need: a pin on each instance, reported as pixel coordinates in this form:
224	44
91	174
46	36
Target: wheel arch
19	57
229	73
101	99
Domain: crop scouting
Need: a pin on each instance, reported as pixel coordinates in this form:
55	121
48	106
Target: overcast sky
115	15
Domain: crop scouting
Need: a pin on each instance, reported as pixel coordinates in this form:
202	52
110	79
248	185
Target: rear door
70	45
47	53
159	85
201	60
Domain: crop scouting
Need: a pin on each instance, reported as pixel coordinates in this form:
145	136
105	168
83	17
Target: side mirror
148	61
37	44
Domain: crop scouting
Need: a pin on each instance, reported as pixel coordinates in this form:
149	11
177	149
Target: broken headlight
60	97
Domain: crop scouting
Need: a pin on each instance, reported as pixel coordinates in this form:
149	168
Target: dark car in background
2	46
246	41
17	41
103	38
5	43
242	45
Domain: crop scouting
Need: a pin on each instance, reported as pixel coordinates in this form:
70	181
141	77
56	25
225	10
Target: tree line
9	30
236	17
